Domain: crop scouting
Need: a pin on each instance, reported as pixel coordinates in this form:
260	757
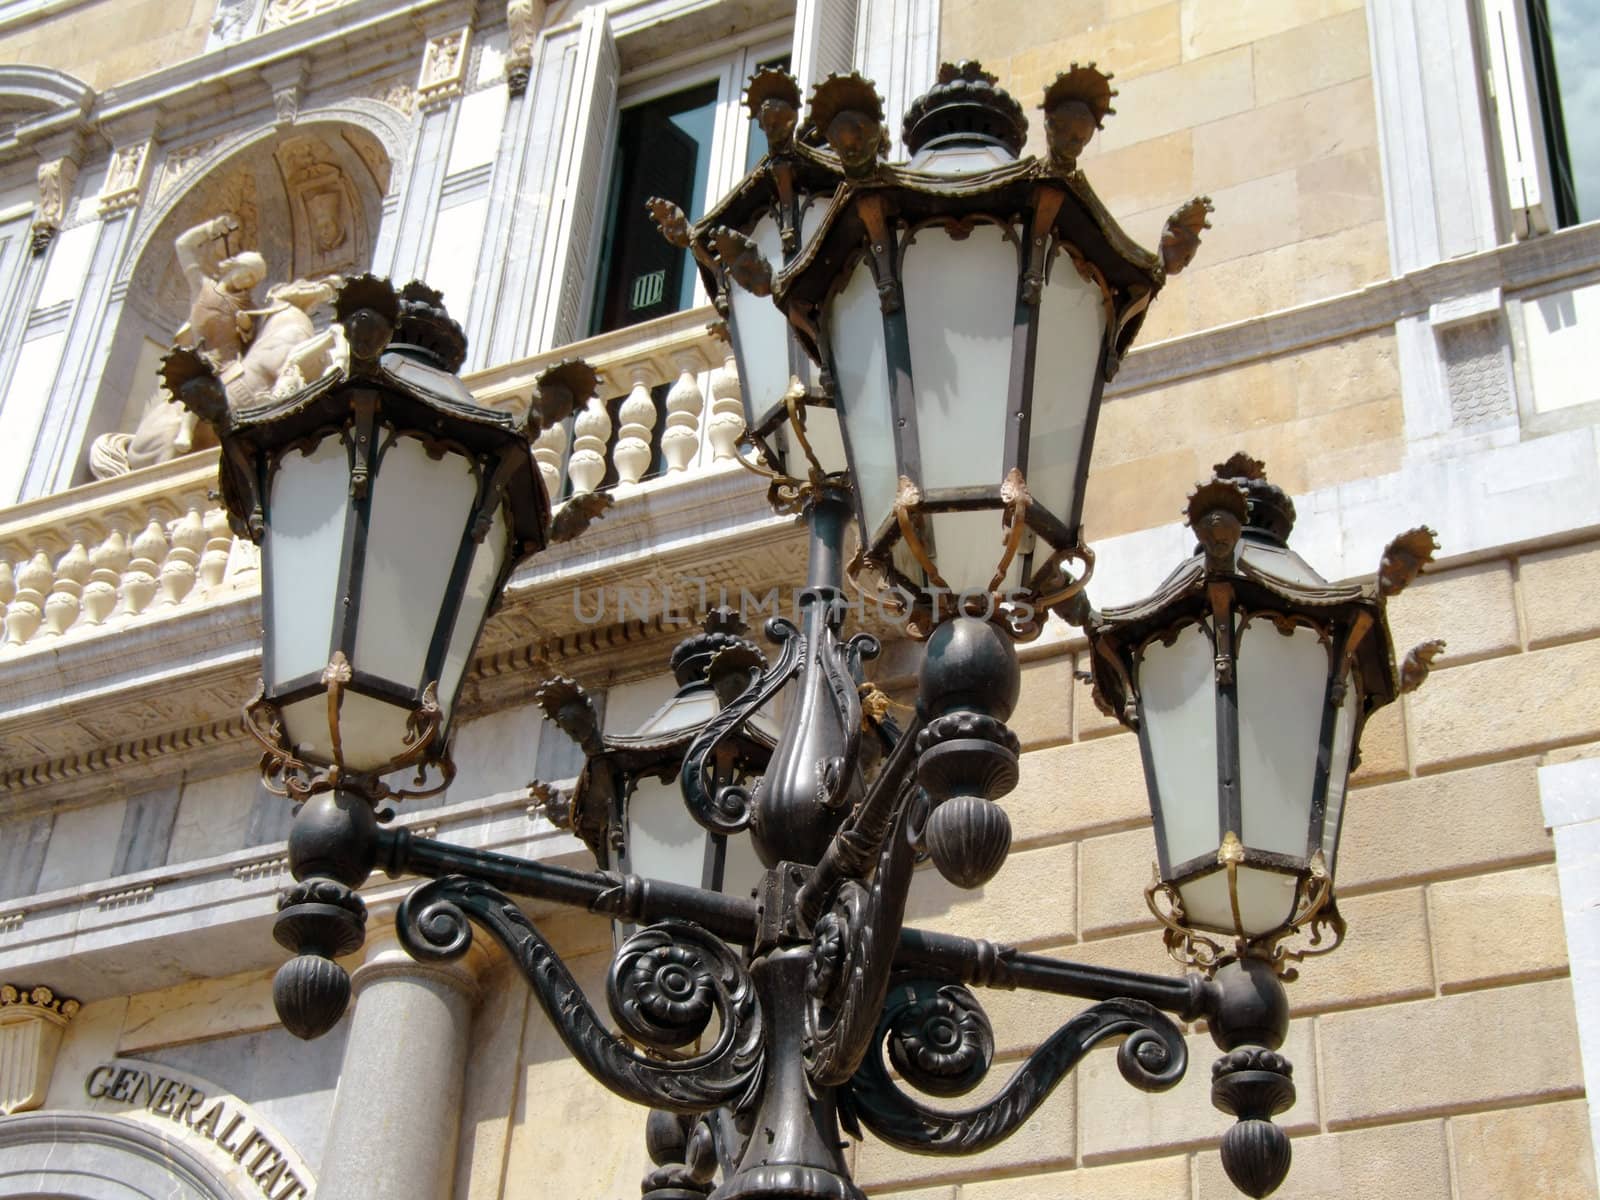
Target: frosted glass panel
762	331
663	840
371	732
960	301
1279	561
419	512
855	331
1177	686
967	549
1266	901
475	600
684	710
1282	683
305	537
827	443
1072	322
1344	726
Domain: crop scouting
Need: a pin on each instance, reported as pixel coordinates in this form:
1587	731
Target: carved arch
27	93
103	1157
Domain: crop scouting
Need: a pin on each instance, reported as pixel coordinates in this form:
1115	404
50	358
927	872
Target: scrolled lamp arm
666	984
939	1040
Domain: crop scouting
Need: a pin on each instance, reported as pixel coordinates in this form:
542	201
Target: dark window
663	149
1566	54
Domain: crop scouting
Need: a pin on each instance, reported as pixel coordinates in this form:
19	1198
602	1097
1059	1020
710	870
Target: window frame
728	64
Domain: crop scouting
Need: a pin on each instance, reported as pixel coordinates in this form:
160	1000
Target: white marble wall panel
69	263
1560	329
477	133
498	753
270	819
213	816
454	253
1570	795
22	849
83	845
146	831
289	1082
23	407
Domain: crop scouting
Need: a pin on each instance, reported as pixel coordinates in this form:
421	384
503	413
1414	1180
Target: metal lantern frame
398	382
717	661
1242	522
786	184
1048	211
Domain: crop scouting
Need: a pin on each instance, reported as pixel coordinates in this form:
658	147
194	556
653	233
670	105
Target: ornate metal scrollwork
939	1040
727	810
669	980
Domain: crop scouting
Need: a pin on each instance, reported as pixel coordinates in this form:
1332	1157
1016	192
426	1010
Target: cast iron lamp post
971	305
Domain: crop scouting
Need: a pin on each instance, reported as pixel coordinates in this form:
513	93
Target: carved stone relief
56	180
31	1021
181	161
443	67
125	177
324	204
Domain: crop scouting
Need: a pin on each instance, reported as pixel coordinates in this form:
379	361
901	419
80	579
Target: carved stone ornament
56	180
31	1022
125	177
523	21
444	64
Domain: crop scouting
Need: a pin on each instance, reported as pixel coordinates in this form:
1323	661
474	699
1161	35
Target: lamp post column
397	1113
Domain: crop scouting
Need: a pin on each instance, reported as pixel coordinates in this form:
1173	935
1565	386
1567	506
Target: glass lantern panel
1178	703
420	509
959	159
861	365
809	370
664	842
1066	364
1282	684
476	596
1266	901
967	547
309	506
371	732
761	333
961	299
827	442
690	706
1344	728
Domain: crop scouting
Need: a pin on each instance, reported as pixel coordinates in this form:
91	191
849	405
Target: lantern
1249	678
390	509
970	306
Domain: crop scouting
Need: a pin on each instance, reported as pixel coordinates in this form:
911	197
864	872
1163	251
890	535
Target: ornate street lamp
971	306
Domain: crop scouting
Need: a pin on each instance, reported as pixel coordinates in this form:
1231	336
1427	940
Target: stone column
397	1113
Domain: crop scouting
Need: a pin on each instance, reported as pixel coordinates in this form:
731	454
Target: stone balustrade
146	545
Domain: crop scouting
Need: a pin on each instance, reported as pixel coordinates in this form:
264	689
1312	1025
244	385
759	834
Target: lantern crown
967	101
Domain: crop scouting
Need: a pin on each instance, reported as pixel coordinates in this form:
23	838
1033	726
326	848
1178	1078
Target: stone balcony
131	631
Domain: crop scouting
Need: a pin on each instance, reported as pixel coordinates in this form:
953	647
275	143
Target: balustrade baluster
638	413
180	569
65	601
107	561
727	411
592	431
681	439
25	612
139	579
218	541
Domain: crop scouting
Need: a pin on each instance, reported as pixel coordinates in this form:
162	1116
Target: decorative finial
1404	558
1270	510
424	325
1218	512
847	110
562	388
772	97
1180	238
669	219
1075	106
742	259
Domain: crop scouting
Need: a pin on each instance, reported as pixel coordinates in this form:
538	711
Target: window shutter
824	40
585	140
1524	147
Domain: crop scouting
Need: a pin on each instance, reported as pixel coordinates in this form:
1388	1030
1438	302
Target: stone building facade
1391	310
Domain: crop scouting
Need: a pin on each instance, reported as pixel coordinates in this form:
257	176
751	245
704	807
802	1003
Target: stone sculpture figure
254	350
